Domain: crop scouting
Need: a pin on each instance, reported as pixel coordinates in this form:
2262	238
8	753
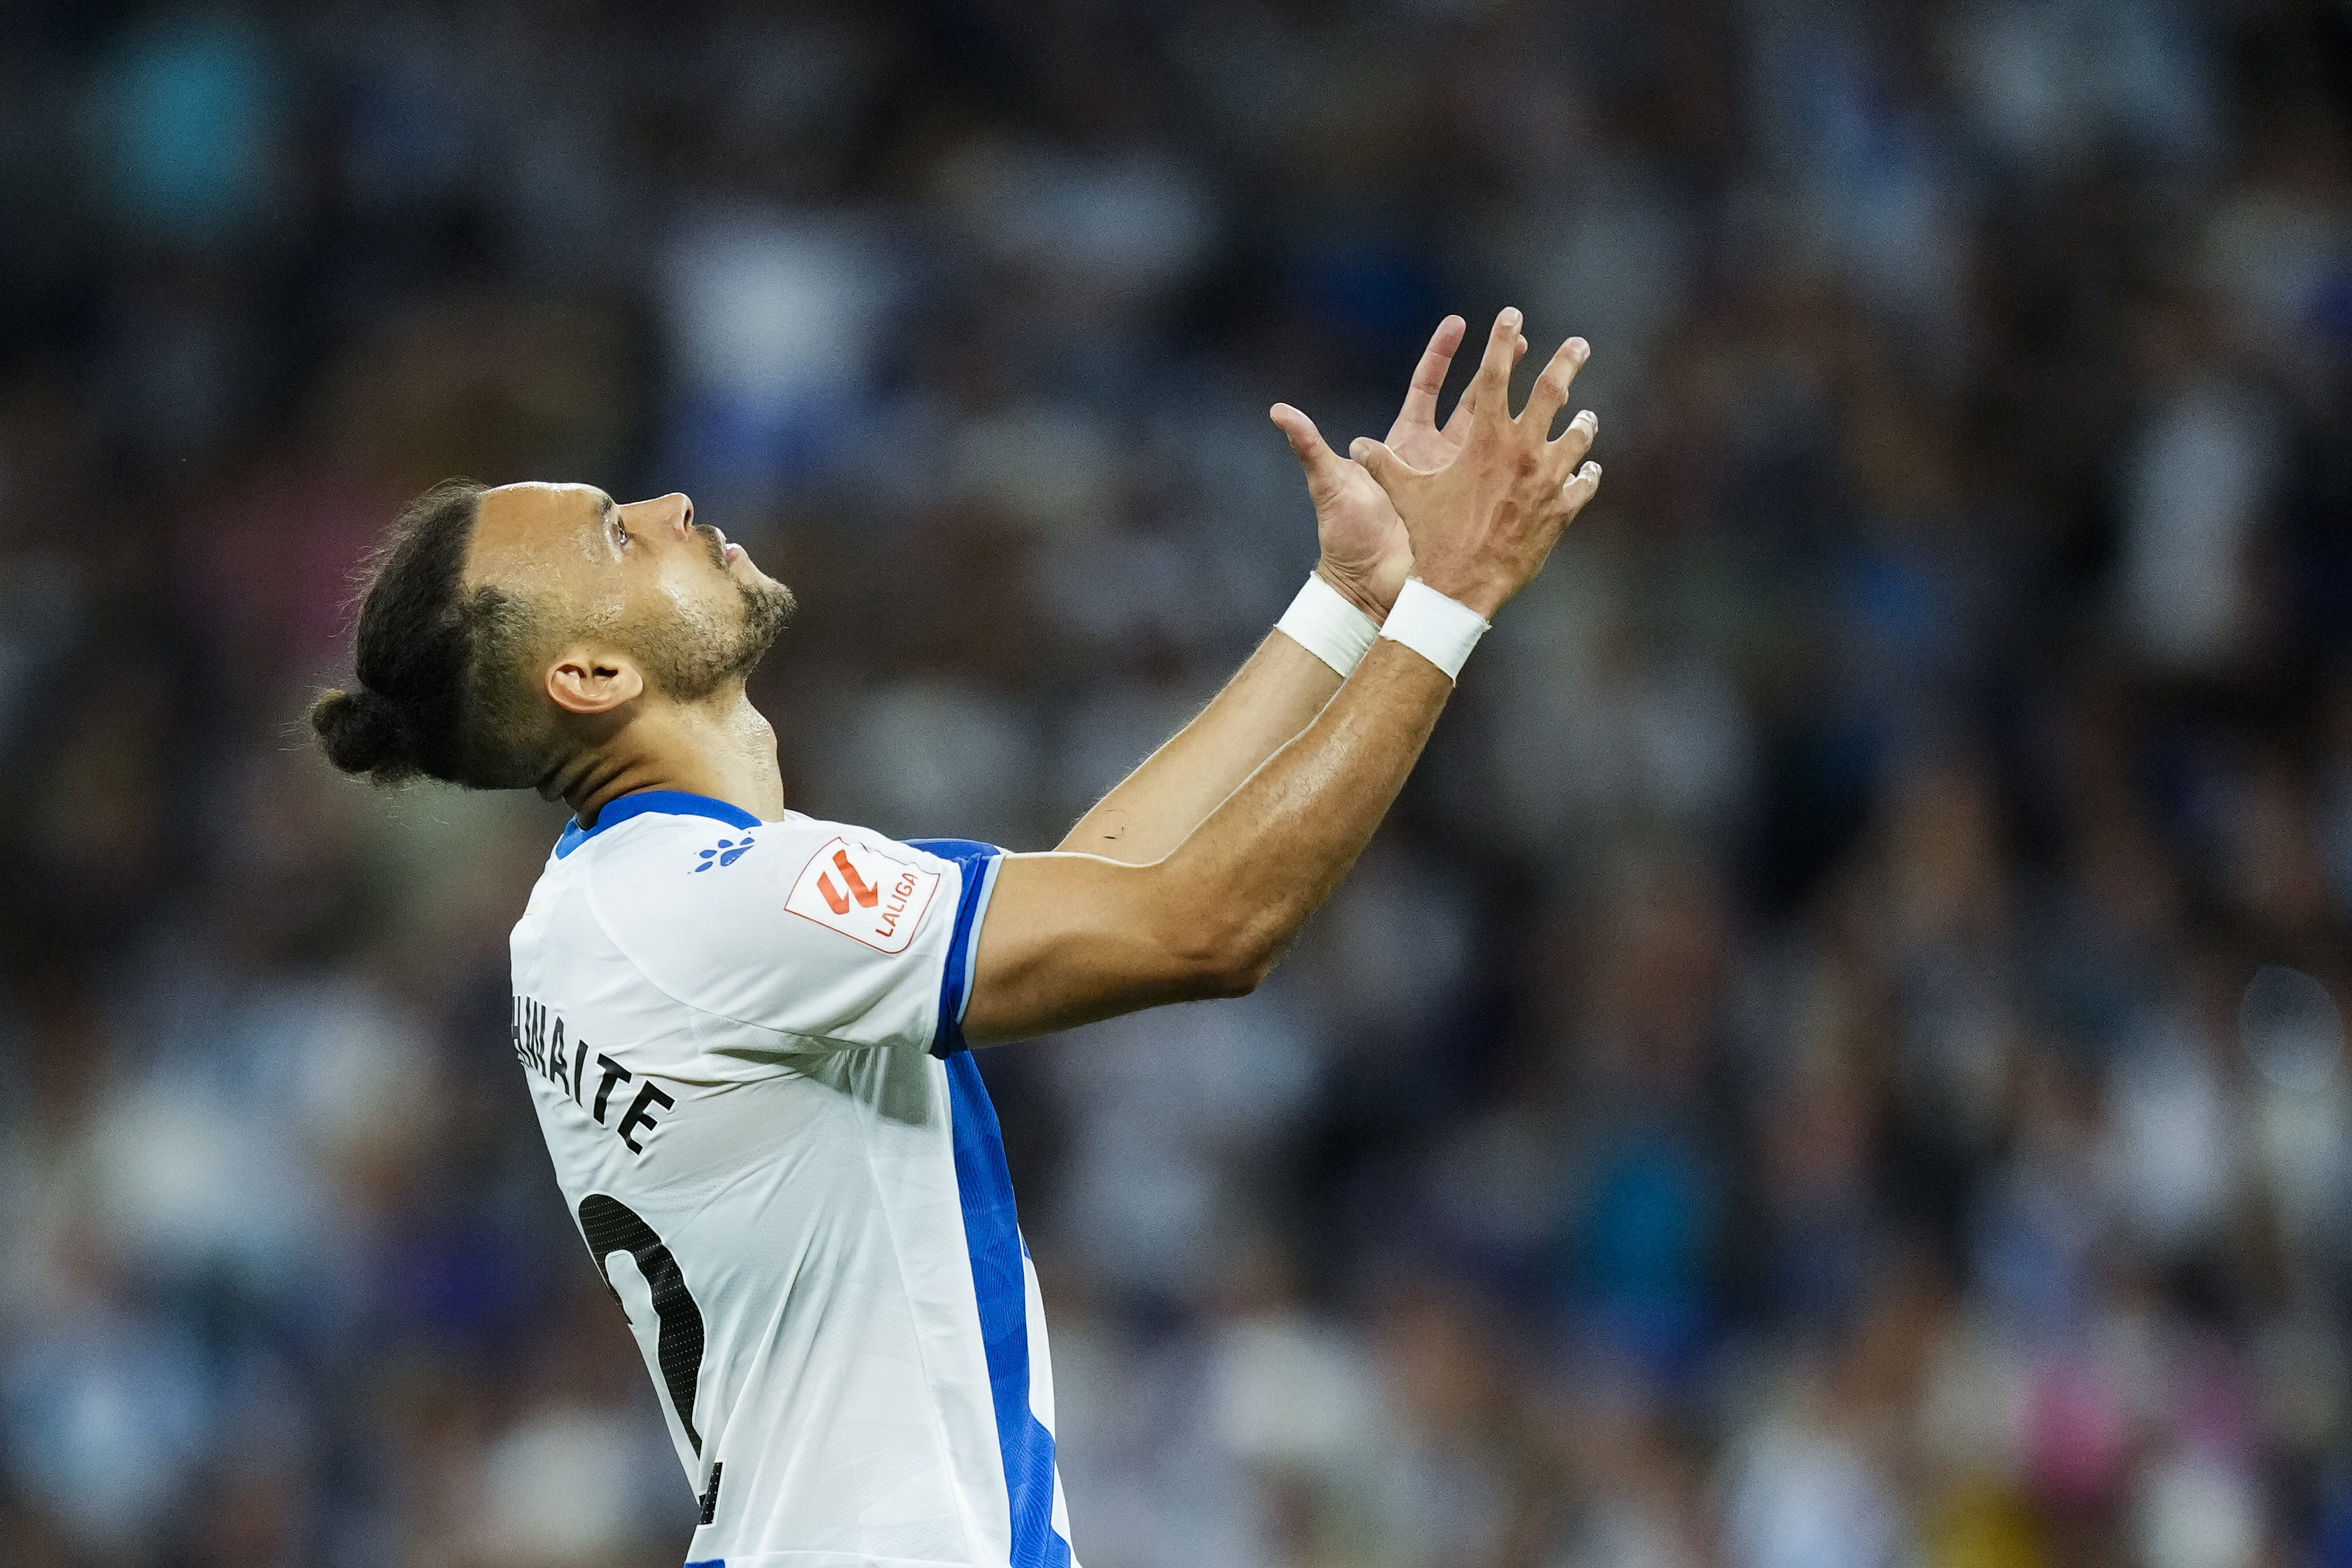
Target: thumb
1307	443
1383	465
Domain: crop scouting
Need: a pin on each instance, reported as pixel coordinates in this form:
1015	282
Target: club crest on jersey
725	853
865	893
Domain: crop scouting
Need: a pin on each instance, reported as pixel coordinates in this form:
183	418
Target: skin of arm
1367	553
1269	699
1070	938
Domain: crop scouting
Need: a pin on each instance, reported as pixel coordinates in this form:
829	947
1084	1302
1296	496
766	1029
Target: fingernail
1581	349
1510	315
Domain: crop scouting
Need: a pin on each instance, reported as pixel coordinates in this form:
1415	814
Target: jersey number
612	1225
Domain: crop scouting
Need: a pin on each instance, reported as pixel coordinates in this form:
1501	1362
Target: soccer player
745	1030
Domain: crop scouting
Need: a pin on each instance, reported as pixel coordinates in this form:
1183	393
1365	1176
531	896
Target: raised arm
1074	937
1274	696
1366	553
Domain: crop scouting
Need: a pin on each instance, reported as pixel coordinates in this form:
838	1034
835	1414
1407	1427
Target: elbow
1237	979
1231	962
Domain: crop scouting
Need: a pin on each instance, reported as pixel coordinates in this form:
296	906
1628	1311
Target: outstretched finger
1467	404
1581	486
1577	440
1464	406
1550	392
1429	375
1493	383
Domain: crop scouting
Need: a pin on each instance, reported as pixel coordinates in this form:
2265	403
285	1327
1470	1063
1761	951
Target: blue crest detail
726	853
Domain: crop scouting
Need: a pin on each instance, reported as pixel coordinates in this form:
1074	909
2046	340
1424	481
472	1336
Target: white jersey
743	1041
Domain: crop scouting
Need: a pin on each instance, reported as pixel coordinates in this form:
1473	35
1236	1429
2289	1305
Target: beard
696	652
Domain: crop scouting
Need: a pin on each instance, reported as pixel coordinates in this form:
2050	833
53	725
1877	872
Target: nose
684	512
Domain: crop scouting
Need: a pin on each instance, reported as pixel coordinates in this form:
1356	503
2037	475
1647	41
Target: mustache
710	538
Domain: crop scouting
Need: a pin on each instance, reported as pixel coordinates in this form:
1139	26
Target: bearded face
698	649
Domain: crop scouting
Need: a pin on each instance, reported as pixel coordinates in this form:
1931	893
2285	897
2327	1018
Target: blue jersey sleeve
980	863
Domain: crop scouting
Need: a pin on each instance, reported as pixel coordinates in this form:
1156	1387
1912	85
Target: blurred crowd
1837	1060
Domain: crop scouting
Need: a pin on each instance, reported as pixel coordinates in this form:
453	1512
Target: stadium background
1832	1065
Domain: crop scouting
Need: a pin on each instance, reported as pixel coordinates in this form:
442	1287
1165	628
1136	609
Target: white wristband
1325	624
1440	629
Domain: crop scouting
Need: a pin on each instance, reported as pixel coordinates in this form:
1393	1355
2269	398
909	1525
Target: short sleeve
980	863
828	934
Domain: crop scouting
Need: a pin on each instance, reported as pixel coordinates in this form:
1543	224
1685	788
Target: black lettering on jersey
639	1115
613	1073
610	1226
710	1493
538	1035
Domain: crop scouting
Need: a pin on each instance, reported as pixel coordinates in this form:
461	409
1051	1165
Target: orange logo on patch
875	893
863	891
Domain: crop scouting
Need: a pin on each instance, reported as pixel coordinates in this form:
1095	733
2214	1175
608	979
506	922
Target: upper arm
1072	937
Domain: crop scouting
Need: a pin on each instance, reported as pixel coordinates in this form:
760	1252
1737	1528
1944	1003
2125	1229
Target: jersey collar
669	802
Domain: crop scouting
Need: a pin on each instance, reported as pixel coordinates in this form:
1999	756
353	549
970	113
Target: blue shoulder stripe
979	862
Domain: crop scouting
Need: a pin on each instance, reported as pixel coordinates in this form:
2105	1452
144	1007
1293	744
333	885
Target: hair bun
363	733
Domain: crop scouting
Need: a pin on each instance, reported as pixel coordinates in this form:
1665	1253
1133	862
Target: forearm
1274	849
1270	699
1074	937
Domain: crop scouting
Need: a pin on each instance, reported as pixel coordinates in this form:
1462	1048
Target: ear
587	680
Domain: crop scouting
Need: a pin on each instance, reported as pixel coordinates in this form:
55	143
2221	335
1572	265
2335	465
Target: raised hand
1367	553
1416	435
1482	519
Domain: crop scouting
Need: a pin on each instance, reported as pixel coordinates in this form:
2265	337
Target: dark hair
440	691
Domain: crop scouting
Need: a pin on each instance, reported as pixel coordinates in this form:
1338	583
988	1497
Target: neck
721	747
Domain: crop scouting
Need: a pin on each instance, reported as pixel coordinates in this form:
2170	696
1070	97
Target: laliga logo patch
864	892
